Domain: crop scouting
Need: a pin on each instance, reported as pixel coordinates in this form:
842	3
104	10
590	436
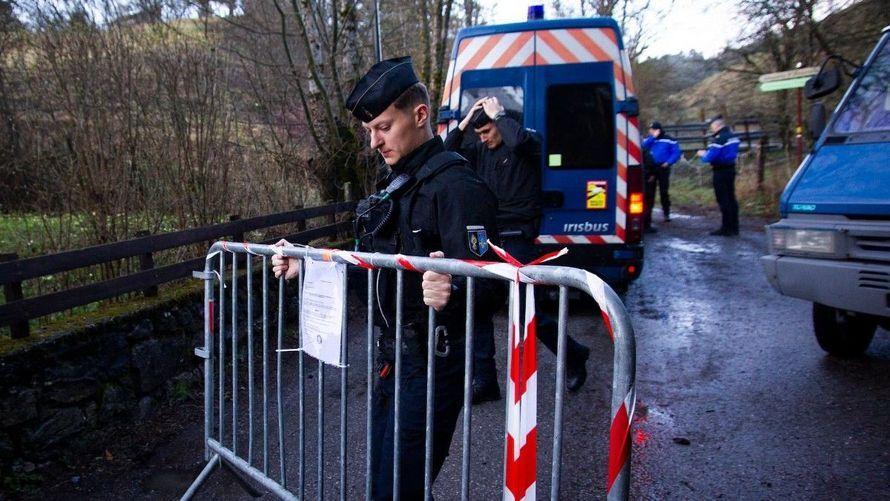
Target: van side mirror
630	107
818	119
446	114
823	84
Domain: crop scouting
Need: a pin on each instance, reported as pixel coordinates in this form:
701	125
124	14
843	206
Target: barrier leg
222	346
468	393
239	479
320	436
278	388
344	372
369	397
430	394
201	478
396	478
249	269
301	403
235	353
560	392
265	365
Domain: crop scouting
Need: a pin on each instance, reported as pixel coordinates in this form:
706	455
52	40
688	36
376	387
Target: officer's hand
436	286
492	107
665	165
700	153
466	120
289	266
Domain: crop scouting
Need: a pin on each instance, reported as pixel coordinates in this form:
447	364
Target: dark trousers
484	371
412	420
659	178
724	191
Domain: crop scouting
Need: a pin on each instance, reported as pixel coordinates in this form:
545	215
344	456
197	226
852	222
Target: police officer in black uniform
507	157
429	203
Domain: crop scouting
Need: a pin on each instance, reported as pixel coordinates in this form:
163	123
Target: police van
570	80
832	243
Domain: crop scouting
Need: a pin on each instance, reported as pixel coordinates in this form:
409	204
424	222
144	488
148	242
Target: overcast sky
705	26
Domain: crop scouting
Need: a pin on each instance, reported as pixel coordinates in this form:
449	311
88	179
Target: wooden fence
18	310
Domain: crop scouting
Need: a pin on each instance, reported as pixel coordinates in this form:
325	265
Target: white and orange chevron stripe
558	46
581	45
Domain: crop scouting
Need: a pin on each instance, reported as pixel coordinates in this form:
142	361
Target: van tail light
635	204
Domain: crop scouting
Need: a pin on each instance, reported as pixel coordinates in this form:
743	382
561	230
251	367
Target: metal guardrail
222	449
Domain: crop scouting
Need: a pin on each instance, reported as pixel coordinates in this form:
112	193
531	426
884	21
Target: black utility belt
723	167
414	348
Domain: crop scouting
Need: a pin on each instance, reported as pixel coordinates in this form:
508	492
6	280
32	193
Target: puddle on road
660	417
694	247
658	215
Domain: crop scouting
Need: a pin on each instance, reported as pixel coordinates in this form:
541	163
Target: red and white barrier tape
520	476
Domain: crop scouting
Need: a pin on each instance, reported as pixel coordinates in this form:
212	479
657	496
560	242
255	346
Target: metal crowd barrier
218	453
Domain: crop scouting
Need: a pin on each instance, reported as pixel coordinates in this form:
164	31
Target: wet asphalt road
734	399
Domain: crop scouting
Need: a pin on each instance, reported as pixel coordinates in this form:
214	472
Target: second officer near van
508	158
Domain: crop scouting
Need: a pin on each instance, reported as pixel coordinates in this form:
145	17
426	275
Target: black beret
655	125
480	119
714	119
380	87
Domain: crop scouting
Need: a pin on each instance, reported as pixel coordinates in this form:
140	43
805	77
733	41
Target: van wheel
840	332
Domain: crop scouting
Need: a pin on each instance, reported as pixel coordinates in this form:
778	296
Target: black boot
576	370
486	392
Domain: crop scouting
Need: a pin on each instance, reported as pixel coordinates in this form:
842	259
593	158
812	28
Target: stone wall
62	392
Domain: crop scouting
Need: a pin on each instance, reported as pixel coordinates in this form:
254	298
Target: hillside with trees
778	36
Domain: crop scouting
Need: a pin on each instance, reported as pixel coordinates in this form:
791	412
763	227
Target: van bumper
848	285
614	263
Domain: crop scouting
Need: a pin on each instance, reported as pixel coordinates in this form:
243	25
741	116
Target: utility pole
378	49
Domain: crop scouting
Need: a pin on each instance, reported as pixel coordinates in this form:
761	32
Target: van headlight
804	241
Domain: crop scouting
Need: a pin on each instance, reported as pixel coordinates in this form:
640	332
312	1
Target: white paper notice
321	310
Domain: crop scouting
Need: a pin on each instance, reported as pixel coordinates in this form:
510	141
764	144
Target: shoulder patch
477	240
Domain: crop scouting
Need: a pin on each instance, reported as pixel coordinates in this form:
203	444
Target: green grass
30	234
181	391
691	187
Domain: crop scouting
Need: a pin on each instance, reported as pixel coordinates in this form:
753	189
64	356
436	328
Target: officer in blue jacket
664	151
721	154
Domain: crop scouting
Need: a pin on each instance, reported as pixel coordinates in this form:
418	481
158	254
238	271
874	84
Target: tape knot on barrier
520	476
517	275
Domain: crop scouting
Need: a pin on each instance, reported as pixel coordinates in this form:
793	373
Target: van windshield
868	108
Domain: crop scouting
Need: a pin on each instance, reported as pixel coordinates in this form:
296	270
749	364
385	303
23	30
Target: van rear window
580	126
510	97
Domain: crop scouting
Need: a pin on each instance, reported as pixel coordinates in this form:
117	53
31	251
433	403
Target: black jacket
512	171
432	215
